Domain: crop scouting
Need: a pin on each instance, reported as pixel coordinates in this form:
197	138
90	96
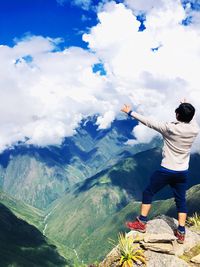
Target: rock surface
111	259
160	245
160	238
155	259
196	259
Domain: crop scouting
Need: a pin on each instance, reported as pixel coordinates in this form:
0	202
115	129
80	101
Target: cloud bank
46	92
154	68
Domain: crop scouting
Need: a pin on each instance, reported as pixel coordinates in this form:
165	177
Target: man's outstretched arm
158	126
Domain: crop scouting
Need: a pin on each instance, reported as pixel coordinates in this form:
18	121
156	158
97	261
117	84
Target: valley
78	196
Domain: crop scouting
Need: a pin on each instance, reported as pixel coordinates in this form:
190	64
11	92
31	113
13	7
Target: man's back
178	139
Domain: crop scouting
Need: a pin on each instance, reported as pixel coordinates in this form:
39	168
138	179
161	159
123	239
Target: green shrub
194	220
130	253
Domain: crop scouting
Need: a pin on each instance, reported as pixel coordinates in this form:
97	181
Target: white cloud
106	120
156	80
144	6
84	4
193	14
85	18
44	98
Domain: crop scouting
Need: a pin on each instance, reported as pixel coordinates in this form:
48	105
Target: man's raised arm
153	124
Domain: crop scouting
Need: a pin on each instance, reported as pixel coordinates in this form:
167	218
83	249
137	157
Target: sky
62	61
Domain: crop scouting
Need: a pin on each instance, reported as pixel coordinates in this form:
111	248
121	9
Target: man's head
185	112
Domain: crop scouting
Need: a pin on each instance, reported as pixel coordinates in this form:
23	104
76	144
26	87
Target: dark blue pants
176	180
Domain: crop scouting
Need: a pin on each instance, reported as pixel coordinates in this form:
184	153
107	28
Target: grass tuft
194	220
130	253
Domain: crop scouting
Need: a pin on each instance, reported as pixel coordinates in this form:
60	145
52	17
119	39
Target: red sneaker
180	236
137	225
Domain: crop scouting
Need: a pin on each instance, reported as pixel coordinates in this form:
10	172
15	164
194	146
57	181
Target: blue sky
52	18
43	17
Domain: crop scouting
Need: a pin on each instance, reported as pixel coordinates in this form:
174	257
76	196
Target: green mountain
75	219
98	241
23	211
31	180
39	176
37	218
78	194
72	218
22	245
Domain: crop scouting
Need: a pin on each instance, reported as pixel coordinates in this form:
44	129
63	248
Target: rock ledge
160	245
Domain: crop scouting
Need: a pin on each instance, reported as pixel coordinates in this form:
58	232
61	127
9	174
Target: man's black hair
185	112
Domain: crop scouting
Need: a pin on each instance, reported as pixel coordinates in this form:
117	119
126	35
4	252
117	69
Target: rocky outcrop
155	259
159	247
159	244
196	259
111	259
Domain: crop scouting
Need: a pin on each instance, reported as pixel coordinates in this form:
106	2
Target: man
178	138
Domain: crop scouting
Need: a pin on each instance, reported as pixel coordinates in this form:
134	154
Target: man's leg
180	231
182	218
145	208
179	189
157	181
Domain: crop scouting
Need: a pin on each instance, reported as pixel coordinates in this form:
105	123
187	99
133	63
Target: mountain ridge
91	198
23	245
40	175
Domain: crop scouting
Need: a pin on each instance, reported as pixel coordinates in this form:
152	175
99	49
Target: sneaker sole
180	242
138	230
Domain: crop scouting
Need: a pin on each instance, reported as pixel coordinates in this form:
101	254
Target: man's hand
184	100
126	108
